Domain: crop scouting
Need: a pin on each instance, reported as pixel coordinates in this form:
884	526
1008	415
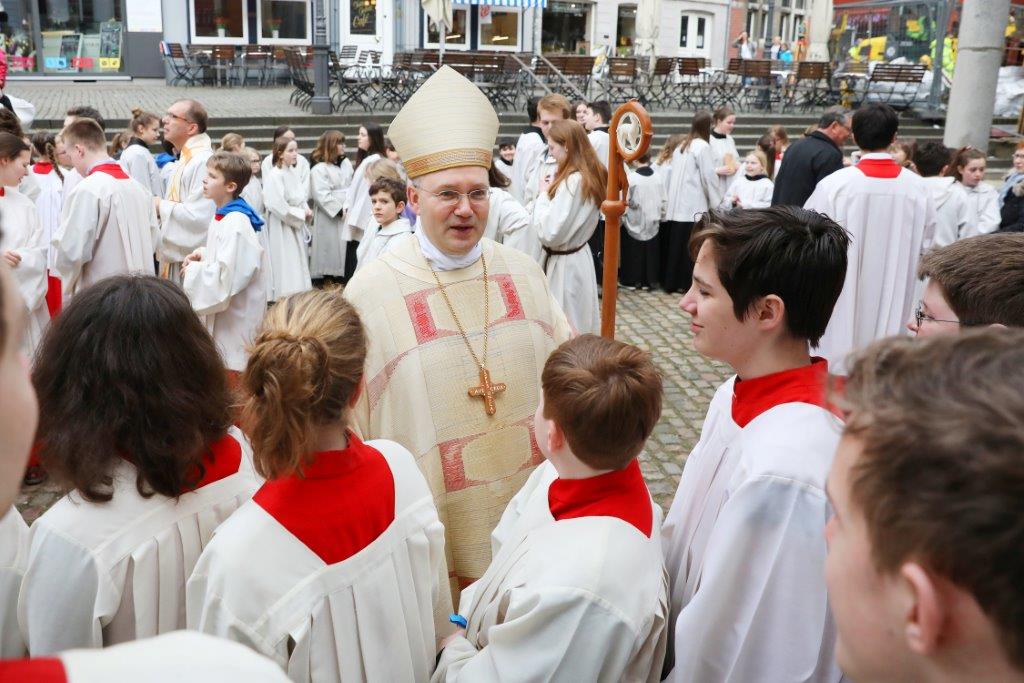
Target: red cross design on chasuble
425	326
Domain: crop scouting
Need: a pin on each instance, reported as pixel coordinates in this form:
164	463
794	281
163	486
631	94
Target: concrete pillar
821	29
972	97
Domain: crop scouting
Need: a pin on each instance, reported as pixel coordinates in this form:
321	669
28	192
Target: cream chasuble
419	373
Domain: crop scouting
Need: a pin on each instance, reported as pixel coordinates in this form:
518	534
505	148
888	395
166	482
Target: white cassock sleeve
13	556
546	630
75	241
553	218
30	273
183	224
761	612
211	282
207	613
708	176
511	218
988	213
331	200
762	196
731	193
276	204
143	168
58	606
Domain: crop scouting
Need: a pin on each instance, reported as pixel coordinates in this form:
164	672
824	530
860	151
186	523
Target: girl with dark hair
49	203
23	244
286	200
330	179
136	159
342	545
723	146
358	212
693	187
135	422
301	163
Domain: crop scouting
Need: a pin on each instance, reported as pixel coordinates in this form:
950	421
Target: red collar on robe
879	165
622	494
343	501
3	191
37	670
110	168
808	384
42	167
221	461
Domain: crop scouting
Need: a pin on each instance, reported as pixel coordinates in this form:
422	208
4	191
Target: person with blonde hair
253	190
136	159
286	199
232	142
751	189
329	180
342	546
564	216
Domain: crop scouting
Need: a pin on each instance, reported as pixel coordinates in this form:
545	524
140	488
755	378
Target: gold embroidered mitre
447	123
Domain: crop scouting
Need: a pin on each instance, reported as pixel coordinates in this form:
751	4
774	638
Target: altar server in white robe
639	255
389	199
252	193
564	217
530	147
329	180
136	423
723	147
50	179
506	217
551	108
136	159
599	115
370	148
286	199
184	212
301	163
576	589
23	238
744	540
13	558
952	213
751	189
968	168
226	279
108	224
335	566
890	216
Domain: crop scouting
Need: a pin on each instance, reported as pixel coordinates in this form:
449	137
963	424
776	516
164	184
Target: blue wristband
458	620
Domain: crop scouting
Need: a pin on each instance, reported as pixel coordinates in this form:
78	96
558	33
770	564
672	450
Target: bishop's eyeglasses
450	198
920	317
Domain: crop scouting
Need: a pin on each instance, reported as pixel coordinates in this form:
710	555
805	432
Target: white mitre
447	123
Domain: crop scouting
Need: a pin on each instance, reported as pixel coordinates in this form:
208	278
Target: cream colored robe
418	373
358	210
185	213
13	558
285	197
138	162
328	186
24	233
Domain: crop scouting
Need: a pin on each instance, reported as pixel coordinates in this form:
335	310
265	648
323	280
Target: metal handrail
533	77
577	93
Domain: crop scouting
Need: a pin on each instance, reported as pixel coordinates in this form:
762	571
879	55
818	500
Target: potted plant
275	27
222	26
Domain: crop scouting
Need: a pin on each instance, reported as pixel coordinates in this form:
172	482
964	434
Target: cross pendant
486	391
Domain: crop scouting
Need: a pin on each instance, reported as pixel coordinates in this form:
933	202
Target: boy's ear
232	187
399	207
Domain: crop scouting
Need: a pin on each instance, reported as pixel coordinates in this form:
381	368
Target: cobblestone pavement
650	320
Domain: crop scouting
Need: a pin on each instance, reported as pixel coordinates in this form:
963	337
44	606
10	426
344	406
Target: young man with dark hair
744	539
108	225
927	494
951	207
973	282
388	199
599	115
575	590
890	215
505	159
530	146
84	112
811	158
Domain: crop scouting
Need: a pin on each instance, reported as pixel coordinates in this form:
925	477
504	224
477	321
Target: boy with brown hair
578	545
226	279
972	282
387	199
551	108
927	489
744	539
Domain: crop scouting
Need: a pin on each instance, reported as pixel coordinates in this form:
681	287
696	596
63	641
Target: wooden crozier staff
629	137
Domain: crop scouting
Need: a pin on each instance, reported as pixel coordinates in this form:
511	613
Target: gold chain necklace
486	389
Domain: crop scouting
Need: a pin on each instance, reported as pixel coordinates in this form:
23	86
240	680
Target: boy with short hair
924	544
387	199
108	225
552	107
599	114
530	146
576	588
226	279
972	282
744	538
506	158
951	208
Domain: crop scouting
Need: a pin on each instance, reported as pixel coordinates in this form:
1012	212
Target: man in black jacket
810	159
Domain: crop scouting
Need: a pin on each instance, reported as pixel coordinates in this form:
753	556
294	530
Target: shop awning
507	3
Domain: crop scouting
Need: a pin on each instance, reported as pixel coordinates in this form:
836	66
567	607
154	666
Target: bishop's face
453	227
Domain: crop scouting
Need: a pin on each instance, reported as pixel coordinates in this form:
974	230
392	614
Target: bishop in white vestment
13	558
184	212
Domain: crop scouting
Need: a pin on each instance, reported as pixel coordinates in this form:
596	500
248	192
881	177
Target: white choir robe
185	213
750	193
228	288
505	216
530	147
576	590
71	180
166	173
170	658
328	592
29	186
983	209
105	573
546	166
48	204
723	149
744	540
378	240
890	216
691	182
23	233
108	227
599	139
13	559
285	198
252	193
565	223
952	215
138	162
645	206
329	185
301	166
503	168
358	207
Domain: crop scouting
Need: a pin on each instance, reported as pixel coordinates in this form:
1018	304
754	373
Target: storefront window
219	21
499	28
284	20
625	30
457	37
564	28
16	27
80	36
362	17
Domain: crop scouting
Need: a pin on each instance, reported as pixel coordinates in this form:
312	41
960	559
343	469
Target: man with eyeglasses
974	282
811	158
184	212
459	327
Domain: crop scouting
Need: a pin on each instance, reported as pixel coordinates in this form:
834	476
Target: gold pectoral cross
487	390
